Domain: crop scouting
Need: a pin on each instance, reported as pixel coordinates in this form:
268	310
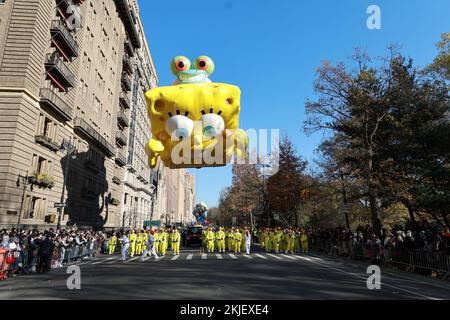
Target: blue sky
271	49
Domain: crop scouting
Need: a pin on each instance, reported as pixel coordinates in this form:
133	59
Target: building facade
67	73
138	188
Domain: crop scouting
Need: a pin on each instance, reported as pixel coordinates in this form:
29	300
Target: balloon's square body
195	125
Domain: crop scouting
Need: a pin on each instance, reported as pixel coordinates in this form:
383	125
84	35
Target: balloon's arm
241	144
153	149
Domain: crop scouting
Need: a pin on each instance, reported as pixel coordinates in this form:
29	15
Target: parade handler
210	238
150	246
112	243
220	236
176	237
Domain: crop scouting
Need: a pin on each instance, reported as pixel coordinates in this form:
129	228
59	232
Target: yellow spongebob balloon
195	121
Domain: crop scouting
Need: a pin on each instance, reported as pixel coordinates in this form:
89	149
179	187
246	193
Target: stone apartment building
73	72
138	190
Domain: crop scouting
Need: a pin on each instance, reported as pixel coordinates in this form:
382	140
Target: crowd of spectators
363	242
39	251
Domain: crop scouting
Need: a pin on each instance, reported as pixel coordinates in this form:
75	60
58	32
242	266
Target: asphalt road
193	276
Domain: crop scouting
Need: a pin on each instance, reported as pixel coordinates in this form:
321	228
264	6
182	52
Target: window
32	208
97	105
85	91
40	165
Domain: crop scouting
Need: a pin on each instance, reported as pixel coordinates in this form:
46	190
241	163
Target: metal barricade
3	265
400	259
434	262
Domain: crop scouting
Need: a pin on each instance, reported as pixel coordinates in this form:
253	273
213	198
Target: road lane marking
146	258
232	256
189	257
289	257
219	256
101	261
260	256
113	260
274	256
175	257
132	259
204	256
305	258
81	263
365	278
248	256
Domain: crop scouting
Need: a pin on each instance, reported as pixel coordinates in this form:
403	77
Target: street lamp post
25	182
70	153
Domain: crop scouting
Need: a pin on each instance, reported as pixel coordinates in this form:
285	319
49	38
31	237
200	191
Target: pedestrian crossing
116	259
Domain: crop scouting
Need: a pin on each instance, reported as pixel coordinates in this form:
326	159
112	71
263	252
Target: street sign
60	205
149	223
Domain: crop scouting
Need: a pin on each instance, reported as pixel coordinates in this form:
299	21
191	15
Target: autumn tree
286	186
384	120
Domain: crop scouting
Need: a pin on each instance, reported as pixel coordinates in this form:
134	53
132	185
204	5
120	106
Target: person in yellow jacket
268	239
164	242
261	235
112	242
282	240
227	232
276	239
132	238
175	239
220	237
304	242
242	249
290	241
138	242
237	241
157	244
231	240
210	239
143	243
204	242
297	241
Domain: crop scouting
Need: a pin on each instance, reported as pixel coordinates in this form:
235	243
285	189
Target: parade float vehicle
194	236
195	122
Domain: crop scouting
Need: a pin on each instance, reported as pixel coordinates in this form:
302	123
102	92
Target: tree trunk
410	208
375	214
